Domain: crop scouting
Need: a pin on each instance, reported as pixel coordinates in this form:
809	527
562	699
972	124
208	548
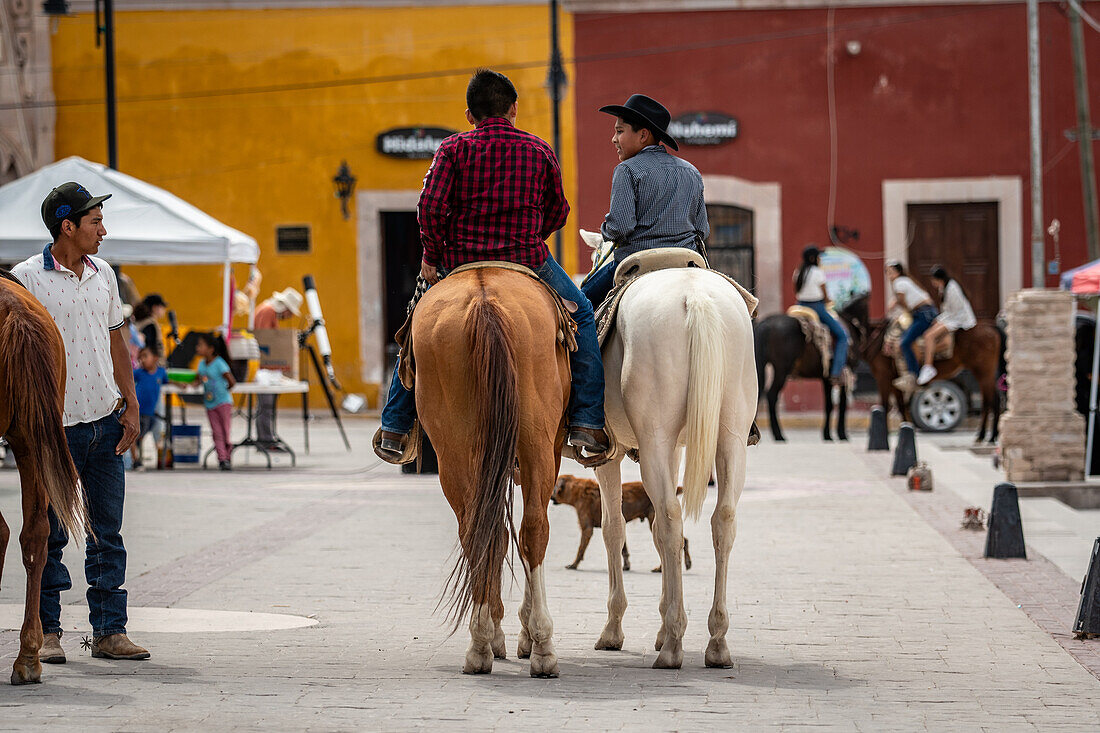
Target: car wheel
938	407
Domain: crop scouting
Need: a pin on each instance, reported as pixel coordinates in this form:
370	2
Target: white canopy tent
145	225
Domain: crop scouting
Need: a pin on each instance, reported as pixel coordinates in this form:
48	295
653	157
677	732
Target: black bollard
1005	538
1087	625
879	436
905	455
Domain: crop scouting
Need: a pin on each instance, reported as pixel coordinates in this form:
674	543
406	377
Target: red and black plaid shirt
493	193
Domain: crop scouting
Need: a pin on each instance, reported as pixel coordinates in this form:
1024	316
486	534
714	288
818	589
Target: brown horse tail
33	383
488	514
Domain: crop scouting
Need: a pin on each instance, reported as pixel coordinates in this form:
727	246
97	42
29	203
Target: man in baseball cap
80	291
68	201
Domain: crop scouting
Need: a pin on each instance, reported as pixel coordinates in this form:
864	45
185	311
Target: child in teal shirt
217	380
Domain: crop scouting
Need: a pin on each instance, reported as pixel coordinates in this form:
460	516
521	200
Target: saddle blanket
567	327
891	344
815	332
651	260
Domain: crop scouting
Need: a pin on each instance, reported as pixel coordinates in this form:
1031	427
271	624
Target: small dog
584	495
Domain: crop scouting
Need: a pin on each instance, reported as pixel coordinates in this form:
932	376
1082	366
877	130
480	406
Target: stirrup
399	455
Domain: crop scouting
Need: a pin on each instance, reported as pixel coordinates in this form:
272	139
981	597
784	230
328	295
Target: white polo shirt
86	309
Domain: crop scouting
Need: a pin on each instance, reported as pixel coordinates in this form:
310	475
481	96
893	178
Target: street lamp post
556	82
104	29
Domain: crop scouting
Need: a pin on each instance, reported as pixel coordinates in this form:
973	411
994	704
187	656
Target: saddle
567	327
815	332
8	275
891	343
651	260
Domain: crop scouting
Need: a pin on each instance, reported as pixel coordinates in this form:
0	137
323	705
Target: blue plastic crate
186	443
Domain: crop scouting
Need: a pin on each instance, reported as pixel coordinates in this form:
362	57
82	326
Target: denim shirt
656	201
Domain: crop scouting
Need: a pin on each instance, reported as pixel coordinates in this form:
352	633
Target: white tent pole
227	306
1092	392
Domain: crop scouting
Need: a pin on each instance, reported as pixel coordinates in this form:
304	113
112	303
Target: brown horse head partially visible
32	402
492	385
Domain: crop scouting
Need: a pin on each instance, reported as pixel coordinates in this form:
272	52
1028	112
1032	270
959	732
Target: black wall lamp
345	186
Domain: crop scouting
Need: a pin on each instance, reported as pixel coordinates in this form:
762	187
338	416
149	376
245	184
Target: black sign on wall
704	128
411	142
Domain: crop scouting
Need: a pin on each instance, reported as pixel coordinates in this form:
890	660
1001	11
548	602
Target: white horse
680	371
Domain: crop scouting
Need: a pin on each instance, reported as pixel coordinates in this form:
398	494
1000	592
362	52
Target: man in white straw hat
281	306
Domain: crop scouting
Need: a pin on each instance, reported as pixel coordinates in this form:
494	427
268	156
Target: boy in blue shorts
148	378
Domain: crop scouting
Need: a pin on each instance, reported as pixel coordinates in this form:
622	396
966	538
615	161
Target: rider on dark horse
495	193
810	292
957	315
656	197
916	300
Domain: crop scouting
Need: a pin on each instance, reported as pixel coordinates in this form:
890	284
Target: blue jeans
923	318
840	336
586	365
92	446
597	286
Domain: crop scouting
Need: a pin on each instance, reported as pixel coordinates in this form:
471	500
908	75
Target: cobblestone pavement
850	611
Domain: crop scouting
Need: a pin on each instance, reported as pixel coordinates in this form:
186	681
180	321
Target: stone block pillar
1042	436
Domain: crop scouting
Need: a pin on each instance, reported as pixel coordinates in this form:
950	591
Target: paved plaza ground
855	606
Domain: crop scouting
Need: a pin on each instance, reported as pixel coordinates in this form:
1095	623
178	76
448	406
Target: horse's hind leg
33	540
779	378
826	433
723	526
842	414
660	461
539	471
614	540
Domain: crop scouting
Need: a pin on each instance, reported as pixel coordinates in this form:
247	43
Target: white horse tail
706	372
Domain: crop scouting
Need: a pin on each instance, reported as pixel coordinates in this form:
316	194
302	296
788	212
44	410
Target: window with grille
730	244
292	239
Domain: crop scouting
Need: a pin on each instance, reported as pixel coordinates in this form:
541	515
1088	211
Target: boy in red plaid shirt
495	193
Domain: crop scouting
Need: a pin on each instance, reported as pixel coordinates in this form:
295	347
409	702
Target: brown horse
979	349
492	384
32	400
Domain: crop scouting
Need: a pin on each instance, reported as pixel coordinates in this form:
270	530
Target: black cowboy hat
649	112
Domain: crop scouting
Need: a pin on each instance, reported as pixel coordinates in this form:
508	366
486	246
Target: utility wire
517	66
1084	15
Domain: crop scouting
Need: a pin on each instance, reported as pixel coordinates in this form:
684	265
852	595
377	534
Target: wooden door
963	238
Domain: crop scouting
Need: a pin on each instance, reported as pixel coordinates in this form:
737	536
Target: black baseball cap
68	199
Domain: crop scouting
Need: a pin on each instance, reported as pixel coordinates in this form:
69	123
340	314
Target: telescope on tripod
320	333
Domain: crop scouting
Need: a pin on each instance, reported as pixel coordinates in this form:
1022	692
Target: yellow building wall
247	114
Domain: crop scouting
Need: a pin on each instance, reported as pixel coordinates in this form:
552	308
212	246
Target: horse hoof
827	438
500	649
610	641
656	569
523	649
26	674
478	662
626	567
571	567
718	654
544	665
668	659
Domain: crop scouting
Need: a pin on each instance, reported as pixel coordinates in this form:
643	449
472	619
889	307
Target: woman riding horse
809	286
957	315
915	299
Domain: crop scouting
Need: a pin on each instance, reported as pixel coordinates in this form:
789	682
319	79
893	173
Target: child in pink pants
217	380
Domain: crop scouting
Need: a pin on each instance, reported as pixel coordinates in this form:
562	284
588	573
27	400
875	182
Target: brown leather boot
591	439
51	651
117	646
